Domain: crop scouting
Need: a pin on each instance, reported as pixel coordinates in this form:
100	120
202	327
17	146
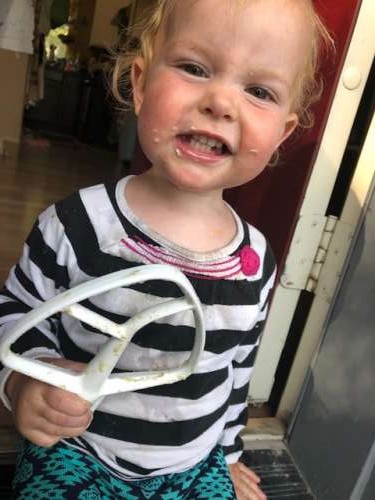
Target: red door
272	201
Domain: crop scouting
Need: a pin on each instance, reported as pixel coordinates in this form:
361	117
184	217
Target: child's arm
237	413
245	481
42	413
45	414
40	275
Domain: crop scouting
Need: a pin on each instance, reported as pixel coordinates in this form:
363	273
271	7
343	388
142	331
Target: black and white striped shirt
168	428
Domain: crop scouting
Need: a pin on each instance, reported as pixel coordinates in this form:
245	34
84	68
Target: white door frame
313	226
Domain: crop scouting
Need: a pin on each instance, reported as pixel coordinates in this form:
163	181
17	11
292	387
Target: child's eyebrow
189	45
268	74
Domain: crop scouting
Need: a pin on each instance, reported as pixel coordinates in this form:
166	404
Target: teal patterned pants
63	473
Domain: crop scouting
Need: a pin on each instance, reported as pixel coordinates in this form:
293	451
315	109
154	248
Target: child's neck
200	222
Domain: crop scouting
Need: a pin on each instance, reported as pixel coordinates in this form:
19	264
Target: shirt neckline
183	252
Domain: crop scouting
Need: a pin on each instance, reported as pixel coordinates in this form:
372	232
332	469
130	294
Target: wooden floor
45	173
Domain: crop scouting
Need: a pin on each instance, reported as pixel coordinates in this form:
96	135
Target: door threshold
268	455
263	429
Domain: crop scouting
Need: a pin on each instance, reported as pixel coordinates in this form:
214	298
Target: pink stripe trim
154	251
136	251
162	251
194	269
189	271
166	258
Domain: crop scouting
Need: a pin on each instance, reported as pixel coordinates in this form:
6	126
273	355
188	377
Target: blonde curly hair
142	38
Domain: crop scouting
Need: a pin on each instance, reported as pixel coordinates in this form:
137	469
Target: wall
103	33
12	90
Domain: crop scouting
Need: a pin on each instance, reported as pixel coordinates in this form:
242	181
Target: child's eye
193	69
260	93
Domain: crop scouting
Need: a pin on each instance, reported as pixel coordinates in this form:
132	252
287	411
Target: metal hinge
321	254
308	251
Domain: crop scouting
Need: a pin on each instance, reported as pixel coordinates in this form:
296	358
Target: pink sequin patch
250	261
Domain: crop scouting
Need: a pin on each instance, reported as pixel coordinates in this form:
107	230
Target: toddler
218	85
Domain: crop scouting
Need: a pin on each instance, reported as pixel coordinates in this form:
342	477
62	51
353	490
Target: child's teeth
201	147
201	140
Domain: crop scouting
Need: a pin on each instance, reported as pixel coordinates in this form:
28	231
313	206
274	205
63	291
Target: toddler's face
216	101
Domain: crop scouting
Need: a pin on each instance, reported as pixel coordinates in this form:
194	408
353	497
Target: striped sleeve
242	365
37	277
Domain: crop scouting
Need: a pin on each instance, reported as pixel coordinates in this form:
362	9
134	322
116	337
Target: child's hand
45	414
245	482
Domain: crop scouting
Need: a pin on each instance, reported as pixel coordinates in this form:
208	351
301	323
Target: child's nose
219	103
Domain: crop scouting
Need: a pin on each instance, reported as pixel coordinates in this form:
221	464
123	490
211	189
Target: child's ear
290	125
138	82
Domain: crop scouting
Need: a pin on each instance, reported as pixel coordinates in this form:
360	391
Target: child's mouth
204	144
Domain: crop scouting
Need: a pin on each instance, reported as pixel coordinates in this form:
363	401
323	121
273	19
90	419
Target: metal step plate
280	478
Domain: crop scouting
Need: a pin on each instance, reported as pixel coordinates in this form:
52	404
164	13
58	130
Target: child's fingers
248	472
61	400
44	433
40	438
42	424
59	431
246	491
50	435
66	402
61	419
246	483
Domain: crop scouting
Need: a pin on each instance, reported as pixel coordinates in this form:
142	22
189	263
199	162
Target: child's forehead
172	8
212	17
178	13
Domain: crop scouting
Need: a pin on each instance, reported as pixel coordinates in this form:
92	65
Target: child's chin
192	185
